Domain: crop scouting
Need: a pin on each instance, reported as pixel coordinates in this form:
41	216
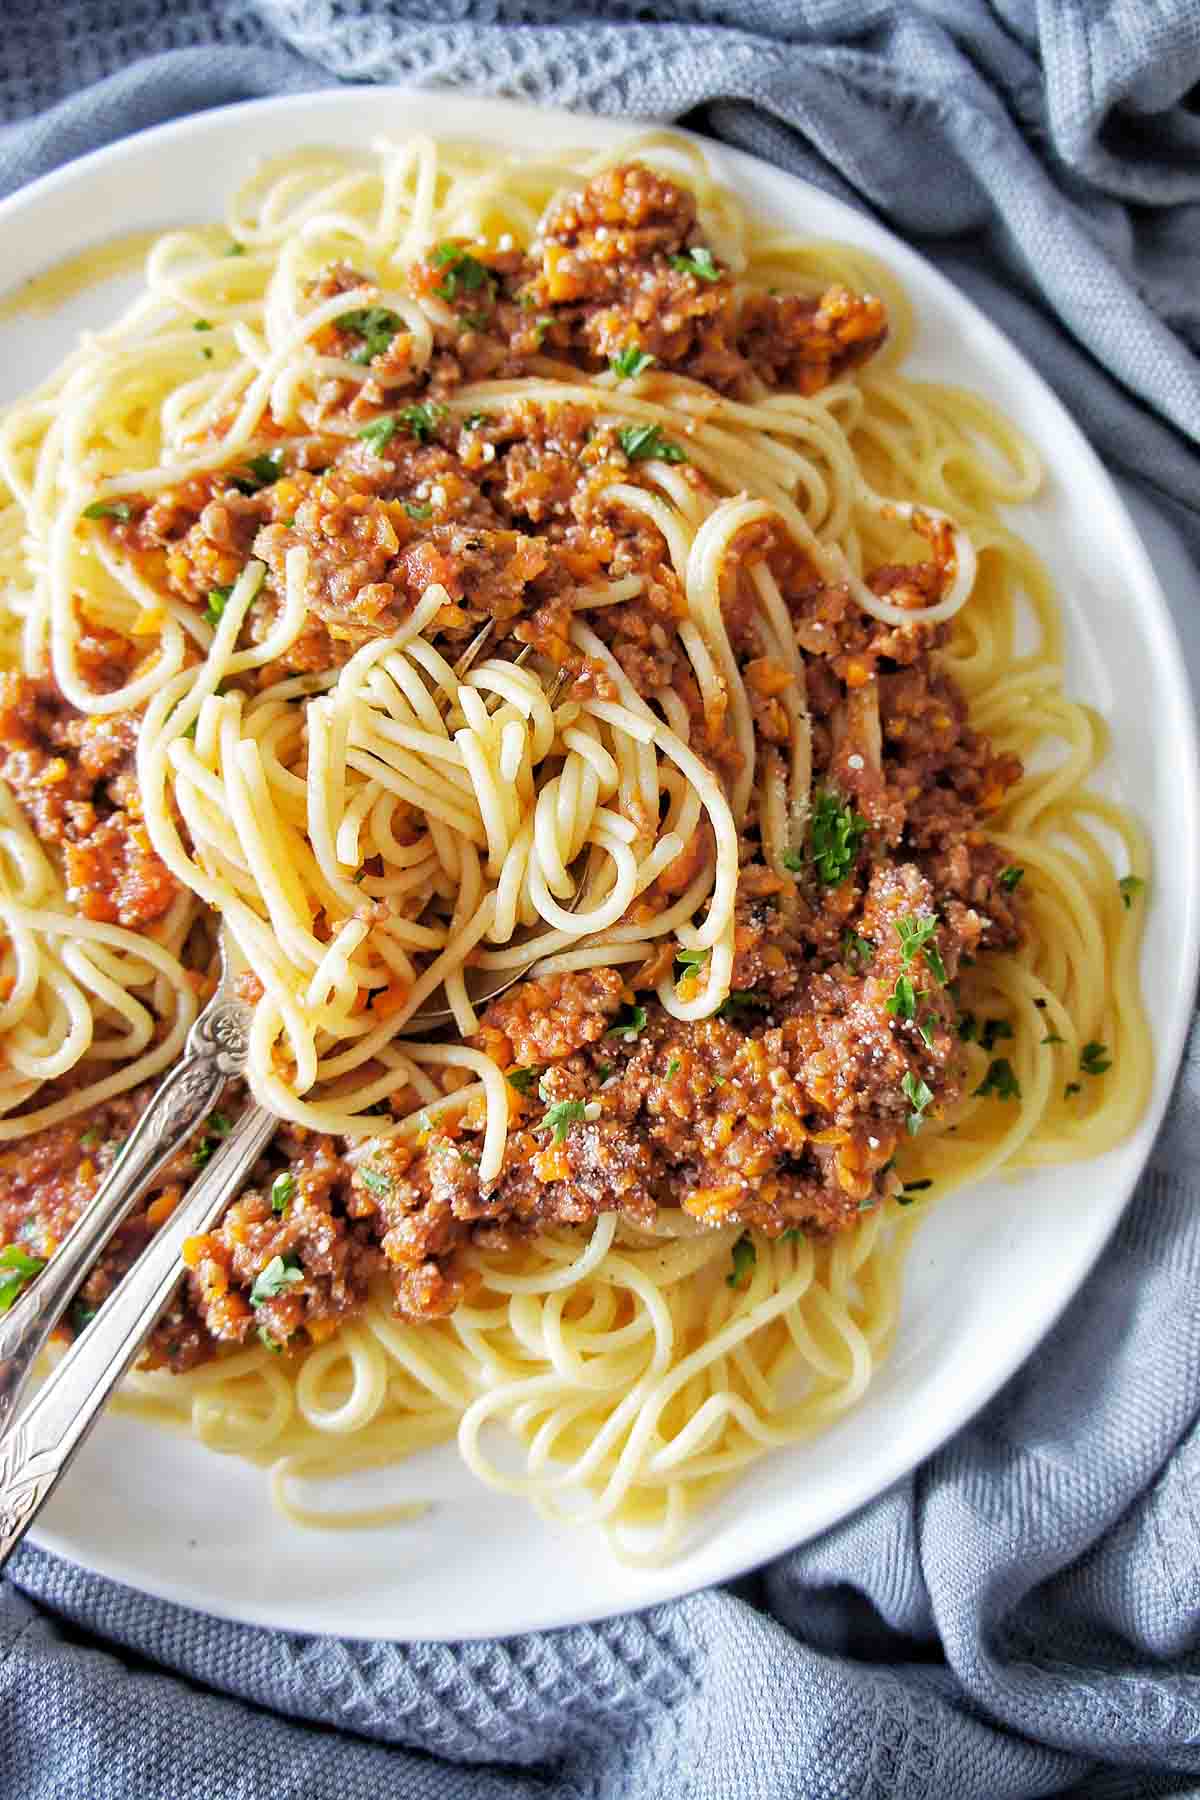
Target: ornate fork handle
216	1049
56	1421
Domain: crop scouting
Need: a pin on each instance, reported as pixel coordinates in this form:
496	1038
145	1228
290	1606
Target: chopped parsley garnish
17	1270
902	1002
109	509
1130	885
793	860
201	324
261	471
463	273
1011	877
630	362
281	1273
993	1030
561	1116
918	1096
968	1027
646	443
374	1182
474	420
91	1139
743	1256
856	951
698	262
1072	1087
525	1080
82	1315
689	962
673	1068
282	1189
917	939
206	353
218	599
835	833
628	1028
422	419
1094	1058
541	326
236	250
1052	1037
1000	1081
474	321
927	1028
415	511
380	432
375	325
741	1000
268	1342
216	1127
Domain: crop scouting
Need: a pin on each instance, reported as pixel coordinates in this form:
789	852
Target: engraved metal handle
48	1432
216	1049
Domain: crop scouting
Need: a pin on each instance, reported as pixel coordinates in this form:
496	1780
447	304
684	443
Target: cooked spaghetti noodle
799	835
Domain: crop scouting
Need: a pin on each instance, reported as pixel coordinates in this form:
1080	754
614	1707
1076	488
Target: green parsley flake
525	1080
1011	878
474	420
630	362
993	1030
628	1028
1000	1082
422	419
281	1273
917	939
835	833
374	1182
379	433
464	273
236	250
375	325
698	262
1130	885
743	1256
91	1139
1094	1058
1052	1037
673	1068
856	951
918	1096
282	1189
740	1000
218	599
646	443
109	509
17	1270
202	325
415	511
968	1027
928	1029
268	1342
560	1118
902	1002
1072	1087
216	1127
261	472
82	1315
689	962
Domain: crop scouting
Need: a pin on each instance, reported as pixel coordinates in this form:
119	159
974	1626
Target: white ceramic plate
990	1270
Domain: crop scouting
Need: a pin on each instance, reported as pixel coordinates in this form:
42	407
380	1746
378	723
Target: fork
38	1442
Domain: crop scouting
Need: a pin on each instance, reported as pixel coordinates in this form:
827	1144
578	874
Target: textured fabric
1022	1616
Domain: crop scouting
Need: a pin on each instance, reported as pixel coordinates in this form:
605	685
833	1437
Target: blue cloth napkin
1022	1615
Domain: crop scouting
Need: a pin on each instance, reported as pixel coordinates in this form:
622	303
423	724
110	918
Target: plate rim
488	119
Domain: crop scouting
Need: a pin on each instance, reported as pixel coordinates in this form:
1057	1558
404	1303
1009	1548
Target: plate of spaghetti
710	1033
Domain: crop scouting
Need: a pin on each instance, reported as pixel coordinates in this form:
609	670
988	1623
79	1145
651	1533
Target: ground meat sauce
785	1110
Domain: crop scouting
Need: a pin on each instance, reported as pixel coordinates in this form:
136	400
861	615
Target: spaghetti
804	838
